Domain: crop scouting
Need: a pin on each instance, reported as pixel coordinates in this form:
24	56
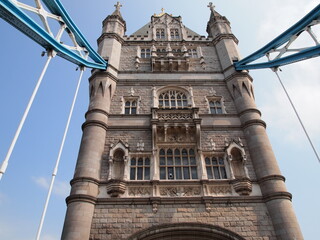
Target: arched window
173	99
174	33
160	33
130	107
176	164
215	107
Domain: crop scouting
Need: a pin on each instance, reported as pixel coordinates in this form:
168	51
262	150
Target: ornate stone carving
139	191
242	186
174	116
180	191
140	145
220	189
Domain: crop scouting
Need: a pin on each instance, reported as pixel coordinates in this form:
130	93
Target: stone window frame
218	169
144	167
130	99
145	53
160	33
170	167
156	93
214	99
193	53
175	98
174	34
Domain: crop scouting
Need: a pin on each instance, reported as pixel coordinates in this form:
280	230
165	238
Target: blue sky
23	188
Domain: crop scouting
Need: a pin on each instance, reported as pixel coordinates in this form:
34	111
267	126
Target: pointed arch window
130	106
215	106
177	164
193	53
160	33
174	33
173	99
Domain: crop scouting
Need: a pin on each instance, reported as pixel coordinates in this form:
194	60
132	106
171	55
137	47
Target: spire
117	11
216	19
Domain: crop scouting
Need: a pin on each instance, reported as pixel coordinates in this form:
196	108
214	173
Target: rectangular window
215	107
176	164
215	168
160	33
193	53
174	33
140	168
145	53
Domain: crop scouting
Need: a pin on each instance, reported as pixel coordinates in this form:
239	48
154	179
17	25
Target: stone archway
185	231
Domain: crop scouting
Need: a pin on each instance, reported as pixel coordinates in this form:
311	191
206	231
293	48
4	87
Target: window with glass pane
215	107
174	33
130	107
177	164
215	168
193	53
145	53
140	168
173	99
160	33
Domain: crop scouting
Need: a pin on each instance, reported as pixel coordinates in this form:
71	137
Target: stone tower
173	145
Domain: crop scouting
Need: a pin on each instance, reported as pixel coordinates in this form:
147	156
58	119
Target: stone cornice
110	35
81	198
94	123
103	74
96	110
254	122
249	110
277	195
238	74
224	36
272	177
84	179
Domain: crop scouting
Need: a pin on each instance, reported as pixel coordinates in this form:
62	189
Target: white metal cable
5	162
55	170
296	112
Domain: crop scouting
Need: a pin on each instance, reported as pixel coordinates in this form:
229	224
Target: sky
24	187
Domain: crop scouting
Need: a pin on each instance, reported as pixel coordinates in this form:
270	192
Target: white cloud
60	188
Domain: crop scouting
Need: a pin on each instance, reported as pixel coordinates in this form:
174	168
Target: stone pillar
275	194
84	190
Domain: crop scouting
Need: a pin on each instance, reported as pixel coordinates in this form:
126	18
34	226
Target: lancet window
215	106
130	107
173	99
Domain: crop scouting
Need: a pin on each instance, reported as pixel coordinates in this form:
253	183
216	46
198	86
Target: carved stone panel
139	191
183	191
220	189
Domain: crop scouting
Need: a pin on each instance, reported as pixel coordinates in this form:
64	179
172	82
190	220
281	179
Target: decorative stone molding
116	187
220	189
180	191
242	186
174	116
139	191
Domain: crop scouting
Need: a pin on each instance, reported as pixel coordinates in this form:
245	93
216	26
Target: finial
118	6
211	6
162	10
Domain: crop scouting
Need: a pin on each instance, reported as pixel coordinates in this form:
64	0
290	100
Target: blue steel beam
17	18
283	38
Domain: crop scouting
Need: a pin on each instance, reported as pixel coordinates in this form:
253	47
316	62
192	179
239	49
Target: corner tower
173	145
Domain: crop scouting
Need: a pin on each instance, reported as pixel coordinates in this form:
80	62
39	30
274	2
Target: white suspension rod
55	170
296	112
4	164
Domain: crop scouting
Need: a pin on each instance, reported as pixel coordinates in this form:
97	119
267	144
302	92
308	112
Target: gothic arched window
215	107
130	107
160	33
140	168
173	99
174	33
176	164
145	53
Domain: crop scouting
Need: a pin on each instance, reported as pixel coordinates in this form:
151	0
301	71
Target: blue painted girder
13	15
296	29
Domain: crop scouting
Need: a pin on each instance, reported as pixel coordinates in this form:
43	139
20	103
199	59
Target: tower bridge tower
173	144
